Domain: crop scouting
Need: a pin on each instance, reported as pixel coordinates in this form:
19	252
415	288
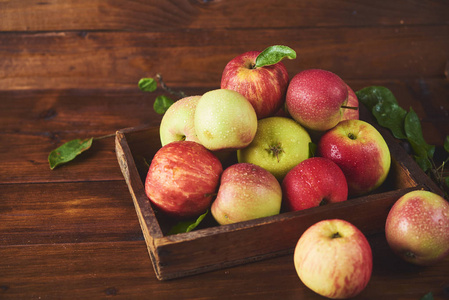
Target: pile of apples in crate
298	144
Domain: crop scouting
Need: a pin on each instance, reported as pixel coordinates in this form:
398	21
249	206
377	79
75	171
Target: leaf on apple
187	226
274	54
68	151
147	84
162	103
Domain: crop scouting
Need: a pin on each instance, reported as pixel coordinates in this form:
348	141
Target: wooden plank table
69	69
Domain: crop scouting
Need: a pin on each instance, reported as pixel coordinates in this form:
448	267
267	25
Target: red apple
334	259
246	192
183	178
351	110
360	151
313	182
315	98
417	228
264	87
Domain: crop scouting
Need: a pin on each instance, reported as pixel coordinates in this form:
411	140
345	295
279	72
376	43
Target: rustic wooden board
59	213
197	57
166	15
215	247
100	270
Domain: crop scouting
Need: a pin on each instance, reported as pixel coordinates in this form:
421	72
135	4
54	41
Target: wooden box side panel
145	213
214	248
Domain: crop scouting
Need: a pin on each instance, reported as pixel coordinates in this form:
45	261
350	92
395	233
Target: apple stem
336	235
276	150
323	202
410	254
350	107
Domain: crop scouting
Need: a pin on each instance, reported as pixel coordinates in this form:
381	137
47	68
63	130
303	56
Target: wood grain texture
123	269
65	60
56	213
156	15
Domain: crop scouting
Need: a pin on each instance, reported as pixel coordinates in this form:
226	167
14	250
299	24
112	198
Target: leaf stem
104	136
179	94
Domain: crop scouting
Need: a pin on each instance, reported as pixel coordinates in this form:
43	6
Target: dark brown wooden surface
69	69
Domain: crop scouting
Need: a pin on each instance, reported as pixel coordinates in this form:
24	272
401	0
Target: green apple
177	124
224	120
279	145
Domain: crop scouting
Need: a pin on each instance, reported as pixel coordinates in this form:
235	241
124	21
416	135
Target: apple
224	120
182	179
417	227
360	151
334	259
314	182
315	98
279	145
264	87
351	110
177	123
246	192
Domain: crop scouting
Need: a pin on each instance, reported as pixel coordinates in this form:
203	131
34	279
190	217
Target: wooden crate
213	246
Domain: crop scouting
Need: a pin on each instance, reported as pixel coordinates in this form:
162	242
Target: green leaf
391	116
187	226
413	130
68	151
428	296
423	162
147	84
274	54
446	181
423	151
446	143
372	95
385	108
312	149
161	104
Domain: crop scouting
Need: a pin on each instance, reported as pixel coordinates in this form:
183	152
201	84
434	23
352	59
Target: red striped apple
314	182
316	99
417	228
351	112
177	123
182	179
360	151
334	259
246	192
264	87
224	120
279	145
